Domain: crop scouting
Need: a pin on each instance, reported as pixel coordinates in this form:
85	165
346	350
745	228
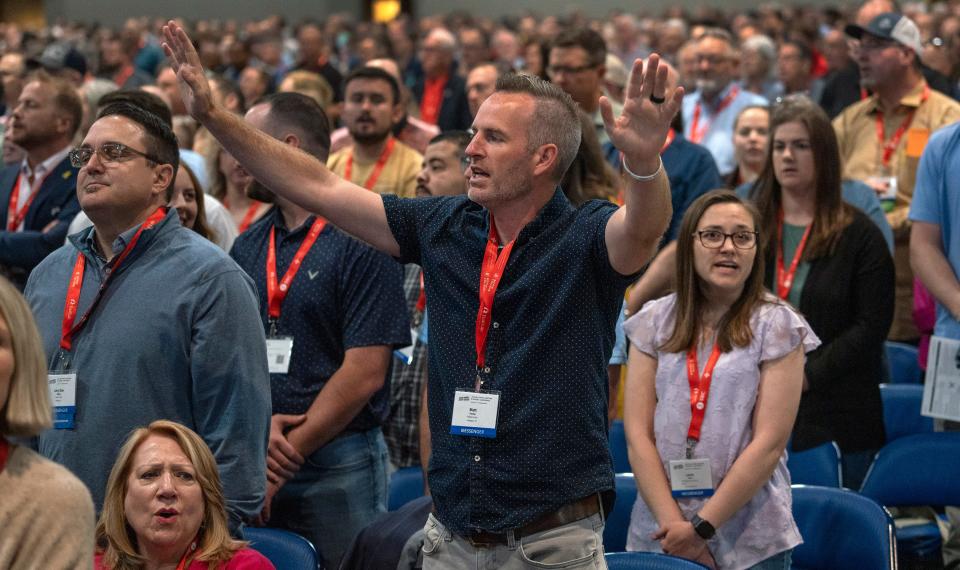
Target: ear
291	140
397	112
602	71
162	178
545	159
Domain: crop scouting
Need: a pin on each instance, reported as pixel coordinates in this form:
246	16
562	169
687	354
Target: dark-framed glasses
714	239
109	153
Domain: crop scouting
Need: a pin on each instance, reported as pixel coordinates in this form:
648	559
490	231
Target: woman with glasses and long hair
713	386
830	261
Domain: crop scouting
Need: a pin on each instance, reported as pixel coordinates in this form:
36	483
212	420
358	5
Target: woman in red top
164	507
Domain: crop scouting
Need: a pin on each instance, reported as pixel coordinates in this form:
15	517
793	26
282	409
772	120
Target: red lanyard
699	391
183	561
697	134
4	453
248	217
891	145
76	283
377	168
15	217
422	297
785	278
277	293
123	75
490	273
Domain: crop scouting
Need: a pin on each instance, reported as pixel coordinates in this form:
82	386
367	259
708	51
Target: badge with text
62	385
475	414
279	351
691	478
405	354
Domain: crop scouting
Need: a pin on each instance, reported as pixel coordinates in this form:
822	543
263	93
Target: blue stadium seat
286	550
405	485
618	520
618	448
917	470
648	561
901	410
904	366
816	466
841	530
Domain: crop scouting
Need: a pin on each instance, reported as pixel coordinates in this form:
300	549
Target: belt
570	513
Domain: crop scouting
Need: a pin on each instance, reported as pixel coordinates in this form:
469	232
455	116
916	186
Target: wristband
638	177
703	528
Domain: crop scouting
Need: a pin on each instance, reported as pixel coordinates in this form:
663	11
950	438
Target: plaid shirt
401	430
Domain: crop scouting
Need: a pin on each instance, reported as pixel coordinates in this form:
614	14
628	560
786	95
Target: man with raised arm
523	291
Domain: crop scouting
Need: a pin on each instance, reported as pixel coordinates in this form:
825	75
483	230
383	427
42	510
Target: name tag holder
475	414
62	386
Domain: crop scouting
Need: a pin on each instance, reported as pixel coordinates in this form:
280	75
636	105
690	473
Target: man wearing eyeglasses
38	195
882	137
710	112
143	319
577	64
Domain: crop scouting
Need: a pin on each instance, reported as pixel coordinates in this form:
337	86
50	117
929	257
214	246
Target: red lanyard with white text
785	278
696	133
76	283
490	273
699	391
15	217
377	168
891	145
276	293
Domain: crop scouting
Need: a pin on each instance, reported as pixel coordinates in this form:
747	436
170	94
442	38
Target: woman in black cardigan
829	260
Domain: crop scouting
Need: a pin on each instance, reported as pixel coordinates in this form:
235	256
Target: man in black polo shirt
518	389
334	310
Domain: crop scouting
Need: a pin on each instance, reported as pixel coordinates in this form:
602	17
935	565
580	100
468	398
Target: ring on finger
657	100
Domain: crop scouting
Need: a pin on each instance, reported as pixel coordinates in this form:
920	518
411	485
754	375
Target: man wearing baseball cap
882	136
62	60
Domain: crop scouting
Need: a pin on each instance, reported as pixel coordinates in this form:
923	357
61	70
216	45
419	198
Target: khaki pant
575	546
903	329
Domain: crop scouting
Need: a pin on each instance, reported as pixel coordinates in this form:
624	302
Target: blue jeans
338	491
780	561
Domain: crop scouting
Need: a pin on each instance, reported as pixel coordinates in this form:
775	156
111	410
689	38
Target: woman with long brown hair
830	261
707	449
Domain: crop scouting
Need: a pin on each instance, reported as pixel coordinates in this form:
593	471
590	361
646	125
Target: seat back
904	365
405	485
284	549
839	527
648	561
618	448
916	470
816	466
901	410
618	520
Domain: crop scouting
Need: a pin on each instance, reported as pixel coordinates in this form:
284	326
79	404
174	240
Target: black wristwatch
704	529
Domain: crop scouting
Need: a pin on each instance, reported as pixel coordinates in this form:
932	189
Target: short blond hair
117	540
27	410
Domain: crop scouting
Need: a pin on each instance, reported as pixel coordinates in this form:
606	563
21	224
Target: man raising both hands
524	291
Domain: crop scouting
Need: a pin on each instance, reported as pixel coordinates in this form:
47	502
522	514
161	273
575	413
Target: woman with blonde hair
164	506
46	515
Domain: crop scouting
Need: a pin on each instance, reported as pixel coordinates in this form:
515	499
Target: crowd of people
226	246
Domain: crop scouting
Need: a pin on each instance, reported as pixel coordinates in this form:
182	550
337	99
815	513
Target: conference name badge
279	351
691	478
62	385
475	414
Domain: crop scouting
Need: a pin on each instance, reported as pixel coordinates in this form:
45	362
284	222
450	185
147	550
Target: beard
257	191
370	138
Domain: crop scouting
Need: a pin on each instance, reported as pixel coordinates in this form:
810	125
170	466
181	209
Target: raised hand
185	62
641	129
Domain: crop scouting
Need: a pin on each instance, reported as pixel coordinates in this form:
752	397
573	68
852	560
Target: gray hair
763	45
555	117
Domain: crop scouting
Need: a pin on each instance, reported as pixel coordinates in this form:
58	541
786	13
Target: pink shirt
243	559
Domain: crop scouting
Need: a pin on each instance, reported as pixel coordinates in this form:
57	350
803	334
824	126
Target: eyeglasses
714	239
109	153
568	70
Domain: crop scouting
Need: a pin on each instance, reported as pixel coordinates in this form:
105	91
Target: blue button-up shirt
345	295
175	337
547	352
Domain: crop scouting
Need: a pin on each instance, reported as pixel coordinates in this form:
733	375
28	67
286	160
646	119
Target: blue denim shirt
547	353
177	336
345	295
